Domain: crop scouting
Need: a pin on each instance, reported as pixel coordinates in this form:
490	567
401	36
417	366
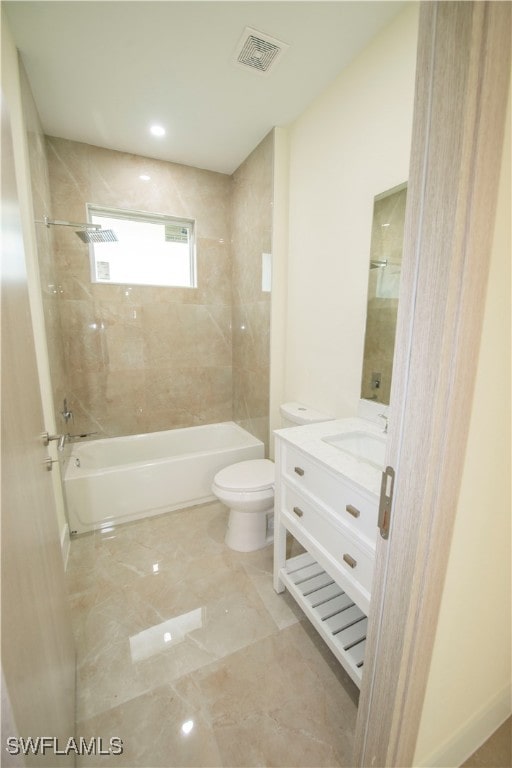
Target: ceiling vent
258	51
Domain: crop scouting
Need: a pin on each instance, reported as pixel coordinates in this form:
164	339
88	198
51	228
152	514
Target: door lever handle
46	438
386	500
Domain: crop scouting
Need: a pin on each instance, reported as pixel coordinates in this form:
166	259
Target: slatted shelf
325	595
332	607
331	611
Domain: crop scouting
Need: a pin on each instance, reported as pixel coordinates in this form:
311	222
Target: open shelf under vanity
331	611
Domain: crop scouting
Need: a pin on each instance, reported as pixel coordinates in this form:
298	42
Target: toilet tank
296	414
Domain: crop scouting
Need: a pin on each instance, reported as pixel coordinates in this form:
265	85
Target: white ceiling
103	72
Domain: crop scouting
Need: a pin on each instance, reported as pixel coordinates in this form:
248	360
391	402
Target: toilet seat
252	475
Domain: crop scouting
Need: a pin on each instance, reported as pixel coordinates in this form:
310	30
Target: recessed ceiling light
157	130
144	177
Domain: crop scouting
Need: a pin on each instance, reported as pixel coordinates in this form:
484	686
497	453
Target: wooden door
38	663
461	96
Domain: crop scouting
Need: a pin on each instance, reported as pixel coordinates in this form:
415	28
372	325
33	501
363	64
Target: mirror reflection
383	287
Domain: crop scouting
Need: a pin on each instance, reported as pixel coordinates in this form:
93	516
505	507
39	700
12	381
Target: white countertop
308	438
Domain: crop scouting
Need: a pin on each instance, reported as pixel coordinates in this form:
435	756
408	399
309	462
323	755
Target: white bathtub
114	480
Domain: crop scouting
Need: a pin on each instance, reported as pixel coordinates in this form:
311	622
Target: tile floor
185	652
496	752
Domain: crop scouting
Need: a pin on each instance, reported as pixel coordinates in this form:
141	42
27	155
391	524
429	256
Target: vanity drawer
357	510
317	526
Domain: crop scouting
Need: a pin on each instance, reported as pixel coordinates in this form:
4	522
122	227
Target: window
151	249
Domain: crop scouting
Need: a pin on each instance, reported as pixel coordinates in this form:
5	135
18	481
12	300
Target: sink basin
360	445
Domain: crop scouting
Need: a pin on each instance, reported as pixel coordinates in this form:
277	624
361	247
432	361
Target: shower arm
55	223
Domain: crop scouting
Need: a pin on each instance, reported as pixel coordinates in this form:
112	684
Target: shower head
88	233
97	235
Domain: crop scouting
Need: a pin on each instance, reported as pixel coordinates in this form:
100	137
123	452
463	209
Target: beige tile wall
143	358
140	359
252	236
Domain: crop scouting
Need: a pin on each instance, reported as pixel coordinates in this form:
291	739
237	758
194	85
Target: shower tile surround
141	358
186	653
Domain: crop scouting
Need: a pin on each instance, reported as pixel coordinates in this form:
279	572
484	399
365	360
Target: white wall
468	693
351	144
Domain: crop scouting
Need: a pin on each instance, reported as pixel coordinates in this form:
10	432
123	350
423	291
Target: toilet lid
253	475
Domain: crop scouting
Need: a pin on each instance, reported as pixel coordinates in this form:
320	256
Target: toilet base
247	531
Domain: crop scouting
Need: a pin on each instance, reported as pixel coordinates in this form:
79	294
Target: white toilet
247	488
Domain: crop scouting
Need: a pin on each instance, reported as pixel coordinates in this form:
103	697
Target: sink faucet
384	416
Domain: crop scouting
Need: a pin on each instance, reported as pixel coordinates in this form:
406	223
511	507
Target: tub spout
61	439
67	438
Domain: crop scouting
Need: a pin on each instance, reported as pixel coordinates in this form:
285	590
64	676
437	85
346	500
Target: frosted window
151	249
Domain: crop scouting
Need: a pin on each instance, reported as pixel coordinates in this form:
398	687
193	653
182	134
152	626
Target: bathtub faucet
60	439
67	438
66	413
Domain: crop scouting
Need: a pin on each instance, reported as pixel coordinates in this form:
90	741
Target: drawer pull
298	511
350	561
299	471
352	510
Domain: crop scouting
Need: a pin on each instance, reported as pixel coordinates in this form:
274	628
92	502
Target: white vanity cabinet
335	520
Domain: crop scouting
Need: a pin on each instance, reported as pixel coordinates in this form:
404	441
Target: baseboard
65	545
472	734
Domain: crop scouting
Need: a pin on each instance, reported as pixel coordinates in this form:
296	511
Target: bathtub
115	480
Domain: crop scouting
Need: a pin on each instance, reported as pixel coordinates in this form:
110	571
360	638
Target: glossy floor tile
186	653
496	752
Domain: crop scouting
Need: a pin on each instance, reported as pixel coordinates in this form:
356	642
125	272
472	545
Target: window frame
144	217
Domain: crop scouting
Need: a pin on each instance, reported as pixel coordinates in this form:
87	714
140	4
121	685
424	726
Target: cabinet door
354	508
332	546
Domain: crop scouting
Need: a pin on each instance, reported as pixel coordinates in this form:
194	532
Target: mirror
383	286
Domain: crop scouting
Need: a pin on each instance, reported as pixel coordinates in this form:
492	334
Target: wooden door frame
38	657
461	96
